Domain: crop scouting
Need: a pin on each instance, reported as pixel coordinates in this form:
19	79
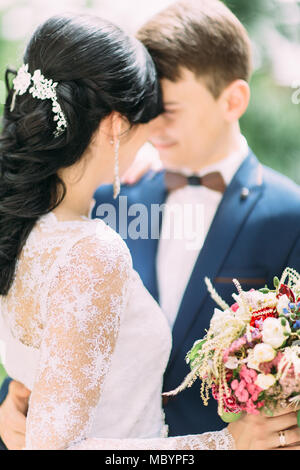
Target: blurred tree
271	123
254	12
271	126
10	55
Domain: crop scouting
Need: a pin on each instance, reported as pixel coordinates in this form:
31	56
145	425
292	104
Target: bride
80	329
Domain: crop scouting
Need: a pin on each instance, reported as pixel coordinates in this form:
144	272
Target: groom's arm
13	412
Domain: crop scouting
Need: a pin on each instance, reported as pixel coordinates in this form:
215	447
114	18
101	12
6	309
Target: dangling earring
117	183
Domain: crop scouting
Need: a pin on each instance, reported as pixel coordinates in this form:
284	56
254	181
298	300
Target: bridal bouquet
250	356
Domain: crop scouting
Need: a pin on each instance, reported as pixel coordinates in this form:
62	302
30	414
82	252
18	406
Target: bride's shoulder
98	246
101	241
85	244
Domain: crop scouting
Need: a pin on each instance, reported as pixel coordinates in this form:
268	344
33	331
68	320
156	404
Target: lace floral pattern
220	440
87	338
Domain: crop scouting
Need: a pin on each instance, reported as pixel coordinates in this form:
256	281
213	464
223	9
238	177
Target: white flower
273	332
241	312
265	381
283	302
221	320
232	362
263	353
257	299
252	363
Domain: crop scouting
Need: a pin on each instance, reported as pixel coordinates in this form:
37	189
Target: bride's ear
116	126
111	128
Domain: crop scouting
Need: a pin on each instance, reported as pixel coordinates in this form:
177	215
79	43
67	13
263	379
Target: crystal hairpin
42	89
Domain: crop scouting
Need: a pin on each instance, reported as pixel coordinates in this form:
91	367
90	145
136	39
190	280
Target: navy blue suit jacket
252	239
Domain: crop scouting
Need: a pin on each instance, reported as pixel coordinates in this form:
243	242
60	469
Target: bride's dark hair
99	69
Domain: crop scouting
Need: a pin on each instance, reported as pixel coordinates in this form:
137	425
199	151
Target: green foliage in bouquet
194	355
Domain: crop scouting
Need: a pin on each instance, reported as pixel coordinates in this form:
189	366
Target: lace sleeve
219	440
83	309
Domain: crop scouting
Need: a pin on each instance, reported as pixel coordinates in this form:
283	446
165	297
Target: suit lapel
231	214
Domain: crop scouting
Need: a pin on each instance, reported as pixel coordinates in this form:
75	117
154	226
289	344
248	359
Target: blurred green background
272	122
2	374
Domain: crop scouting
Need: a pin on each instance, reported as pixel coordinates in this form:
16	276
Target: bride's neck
81	182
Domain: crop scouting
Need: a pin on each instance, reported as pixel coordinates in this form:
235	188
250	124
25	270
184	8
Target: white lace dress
80	330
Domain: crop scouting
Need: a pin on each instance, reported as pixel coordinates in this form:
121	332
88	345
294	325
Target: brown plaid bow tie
214	181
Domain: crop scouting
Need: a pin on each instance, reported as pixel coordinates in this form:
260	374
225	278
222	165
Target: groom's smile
193	130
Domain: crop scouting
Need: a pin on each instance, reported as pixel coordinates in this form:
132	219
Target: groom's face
191	130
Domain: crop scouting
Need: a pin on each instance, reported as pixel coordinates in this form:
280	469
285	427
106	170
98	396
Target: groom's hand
262	432
13	416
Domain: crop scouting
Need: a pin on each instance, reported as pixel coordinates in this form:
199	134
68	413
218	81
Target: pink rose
242	395
234	384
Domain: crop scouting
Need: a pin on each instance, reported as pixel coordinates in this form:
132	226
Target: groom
246	215
251	214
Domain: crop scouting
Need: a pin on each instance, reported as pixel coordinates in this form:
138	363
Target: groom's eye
169	111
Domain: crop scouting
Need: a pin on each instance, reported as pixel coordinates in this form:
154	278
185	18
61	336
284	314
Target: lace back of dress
22	308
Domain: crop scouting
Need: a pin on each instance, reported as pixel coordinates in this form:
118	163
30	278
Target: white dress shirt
187	218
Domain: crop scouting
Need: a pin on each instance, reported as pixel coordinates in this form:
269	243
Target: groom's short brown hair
203	36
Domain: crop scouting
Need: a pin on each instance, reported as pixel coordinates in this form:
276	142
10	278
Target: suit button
244	193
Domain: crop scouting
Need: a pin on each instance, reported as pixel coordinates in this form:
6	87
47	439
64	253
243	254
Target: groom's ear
234	100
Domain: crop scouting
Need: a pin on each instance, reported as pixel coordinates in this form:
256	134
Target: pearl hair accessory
42	89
